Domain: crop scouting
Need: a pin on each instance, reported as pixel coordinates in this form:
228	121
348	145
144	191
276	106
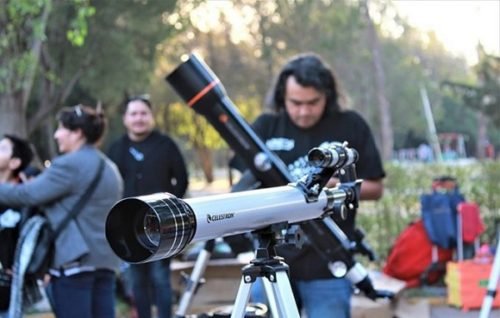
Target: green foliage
194	128
19	10
79	25
485	95
16	38
124	38
98	51
383	220
23	23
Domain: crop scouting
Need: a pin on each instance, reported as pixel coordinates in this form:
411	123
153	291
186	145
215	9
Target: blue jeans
258	293
151	285
326	297
84	295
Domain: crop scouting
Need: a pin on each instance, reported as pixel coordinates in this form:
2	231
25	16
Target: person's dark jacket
150	166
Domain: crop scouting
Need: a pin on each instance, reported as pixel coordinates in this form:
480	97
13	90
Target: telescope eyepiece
336	155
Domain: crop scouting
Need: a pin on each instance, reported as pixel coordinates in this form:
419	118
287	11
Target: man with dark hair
307	114
15	155
149	162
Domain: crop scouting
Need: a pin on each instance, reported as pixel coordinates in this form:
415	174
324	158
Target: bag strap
83	199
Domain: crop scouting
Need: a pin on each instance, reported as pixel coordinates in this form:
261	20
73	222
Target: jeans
151	285
326	297
258	293
84	295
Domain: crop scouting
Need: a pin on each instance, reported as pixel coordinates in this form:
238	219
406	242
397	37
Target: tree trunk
206	162
384	107
36	50
12	120
13	102
482	135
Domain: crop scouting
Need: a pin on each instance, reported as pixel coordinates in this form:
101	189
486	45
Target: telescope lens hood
146	228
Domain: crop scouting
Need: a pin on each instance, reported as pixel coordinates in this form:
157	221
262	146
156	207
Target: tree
384	107
234	65
24	26
483	97
273	35
22	30
99	50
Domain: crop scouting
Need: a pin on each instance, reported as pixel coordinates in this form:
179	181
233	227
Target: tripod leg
242	298
492	286
271	296
194	280
281	299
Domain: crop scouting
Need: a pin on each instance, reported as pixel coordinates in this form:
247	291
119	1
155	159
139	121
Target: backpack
411	257
439	211
44	252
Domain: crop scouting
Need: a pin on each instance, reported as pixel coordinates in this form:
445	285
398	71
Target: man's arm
370	189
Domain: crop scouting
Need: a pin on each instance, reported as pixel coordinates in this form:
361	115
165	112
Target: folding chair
469	228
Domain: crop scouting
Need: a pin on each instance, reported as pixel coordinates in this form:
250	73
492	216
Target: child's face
6	150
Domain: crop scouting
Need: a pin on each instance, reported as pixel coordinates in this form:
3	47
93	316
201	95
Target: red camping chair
470	227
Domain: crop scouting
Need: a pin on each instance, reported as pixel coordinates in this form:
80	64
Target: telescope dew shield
200	88
149	228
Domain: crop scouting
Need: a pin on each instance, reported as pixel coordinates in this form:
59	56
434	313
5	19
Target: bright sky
459	24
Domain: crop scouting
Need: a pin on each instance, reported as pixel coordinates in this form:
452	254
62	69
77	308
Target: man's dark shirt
150	166
292	144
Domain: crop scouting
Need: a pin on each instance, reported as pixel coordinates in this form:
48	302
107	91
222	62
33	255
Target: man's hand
332	182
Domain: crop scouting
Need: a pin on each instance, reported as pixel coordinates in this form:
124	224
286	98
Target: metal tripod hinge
274	274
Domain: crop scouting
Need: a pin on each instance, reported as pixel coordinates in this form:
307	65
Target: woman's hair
91	121
310	71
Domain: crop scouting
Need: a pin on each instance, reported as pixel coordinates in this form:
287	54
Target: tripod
274	273
266	265
194	281
492	285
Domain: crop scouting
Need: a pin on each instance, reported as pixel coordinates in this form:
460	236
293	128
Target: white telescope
147	228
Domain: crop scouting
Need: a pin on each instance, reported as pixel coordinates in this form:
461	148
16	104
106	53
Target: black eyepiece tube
336	155
200	88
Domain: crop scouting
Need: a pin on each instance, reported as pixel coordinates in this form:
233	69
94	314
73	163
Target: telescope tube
200	88
202	91
152	227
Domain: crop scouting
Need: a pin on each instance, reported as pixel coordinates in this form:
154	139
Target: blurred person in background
15	156
149	162
83	269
